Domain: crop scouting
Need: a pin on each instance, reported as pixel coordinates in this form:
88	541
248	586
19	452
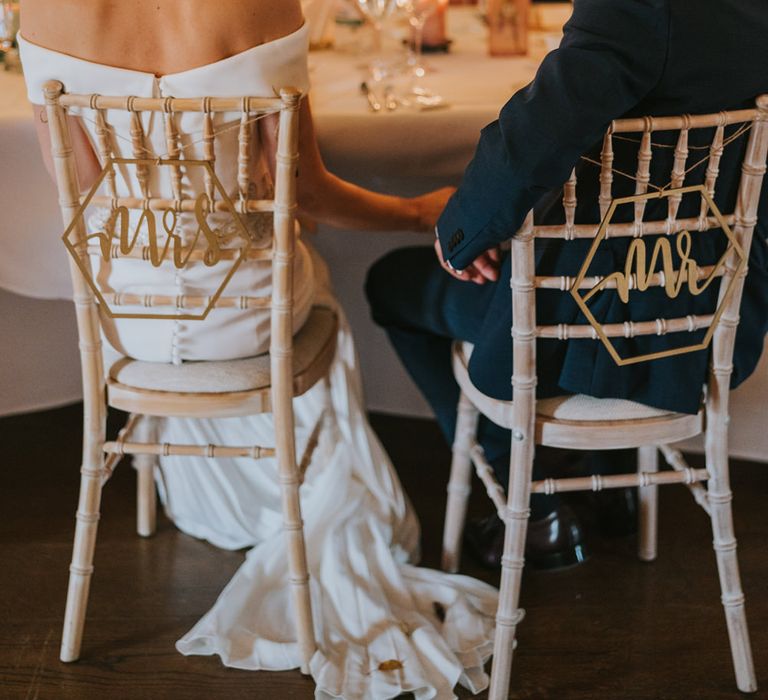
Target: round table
403	152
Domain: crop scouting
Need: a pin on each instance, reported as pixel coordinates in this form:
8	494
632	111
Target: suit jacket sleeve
612	54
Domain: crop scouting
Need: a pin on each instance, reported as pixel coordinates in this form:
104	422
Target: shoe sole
558	560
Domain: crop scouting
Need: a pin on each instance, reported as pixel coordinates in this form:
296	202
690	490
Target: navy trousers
423	310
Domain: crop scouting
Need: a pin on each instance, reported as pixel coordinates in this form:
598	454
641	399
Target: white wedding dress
370	605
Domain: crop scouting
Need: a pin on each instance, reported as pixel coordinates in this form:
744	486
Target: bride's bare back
170	36
157	36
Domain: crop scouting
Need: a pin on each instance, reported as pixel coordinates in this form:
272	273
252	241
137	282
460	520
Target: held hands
427	208
485	267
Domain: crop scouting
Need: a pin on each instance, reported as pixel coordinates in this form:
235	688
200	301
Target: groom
617	58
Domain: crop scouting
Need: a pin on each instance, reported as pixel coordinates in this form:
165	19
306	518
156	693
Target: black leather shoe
484	539
554	542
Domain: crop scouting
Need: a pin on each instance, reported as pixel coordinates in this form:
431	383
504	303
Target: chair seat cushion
580	407
572	407
223	376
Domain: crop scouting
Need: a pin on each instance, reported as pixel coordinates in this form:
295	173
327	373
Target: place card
508	27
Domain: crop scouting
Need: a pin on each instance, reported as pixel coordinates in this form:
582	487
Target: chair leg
146	495
515	517
146	498
724	541
299	575
508	615
648	504
293	528
81	568
459	483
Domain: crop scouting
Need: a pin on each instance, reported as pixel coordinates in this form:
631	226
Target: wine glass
418	12
376	11
9	24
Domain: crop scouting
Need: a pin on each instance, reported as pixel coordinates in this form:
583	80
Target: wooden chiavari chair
265	383
588	423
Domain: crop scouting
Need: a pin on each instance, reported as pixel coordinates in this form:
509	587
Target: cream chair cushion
573	407
247	374
582	407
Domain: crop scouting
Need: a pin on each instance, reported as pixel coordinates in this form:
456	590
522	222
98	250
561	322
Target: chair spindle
713	167
678	178
643	177
243	158
606	174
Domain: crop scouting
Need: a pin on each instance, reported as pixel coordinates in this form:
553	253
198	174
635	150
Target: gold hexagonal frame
109	167
733	248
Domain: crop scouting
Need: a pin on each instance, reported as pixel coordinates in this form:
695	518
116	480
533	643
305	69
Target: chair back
677	206
671	248
665	261
168	202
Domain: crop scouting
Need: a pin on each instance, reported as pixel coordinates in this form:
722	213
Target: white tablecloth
402	152
32	264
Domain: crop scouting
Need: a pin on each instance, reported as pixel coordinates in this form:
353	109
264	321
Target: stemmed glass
418	12
376	11
9	21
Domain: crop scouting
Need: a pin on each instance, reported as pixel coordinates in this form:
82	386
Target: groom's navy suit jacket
618	58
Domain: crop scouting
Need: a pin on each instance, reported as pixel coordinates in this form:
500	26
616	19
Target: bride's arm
322	196
329	199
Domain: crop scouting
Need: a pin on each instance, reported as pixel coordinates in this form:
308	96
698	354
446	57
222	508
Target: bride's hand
429	206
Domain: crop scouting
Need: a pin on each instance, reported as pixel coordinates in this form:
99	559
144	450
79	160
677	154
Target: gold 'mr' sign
122	239
640	271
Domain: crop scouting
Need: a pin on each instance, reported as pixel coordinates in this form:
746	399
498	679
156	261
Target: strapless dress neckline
259	70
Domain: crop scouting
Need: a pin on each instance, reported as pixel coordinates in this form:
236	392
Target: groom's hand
484	268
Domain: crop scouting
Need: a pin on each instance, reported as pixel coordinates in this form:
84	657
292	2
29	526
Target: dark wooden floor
614	628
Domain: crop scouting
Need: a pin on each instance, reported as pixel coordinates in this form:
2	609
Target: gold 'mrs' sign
158	221
119	226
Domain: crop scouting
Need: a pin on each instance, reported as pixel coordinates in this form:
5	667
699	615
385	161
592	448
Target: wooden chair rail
674	458
160	403
173	104
631	229
485	473
564	283
628	329
243	206
174	450
597	482
124	434
186	301
616	435
194	255
312	442
687	121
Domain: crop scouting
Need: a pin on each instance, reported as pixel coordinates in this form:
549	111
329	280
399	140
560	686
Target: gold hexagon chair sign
124	238
637	273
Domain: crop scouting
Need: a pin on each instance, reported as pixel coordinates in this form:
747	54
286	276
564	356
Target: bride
383	626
